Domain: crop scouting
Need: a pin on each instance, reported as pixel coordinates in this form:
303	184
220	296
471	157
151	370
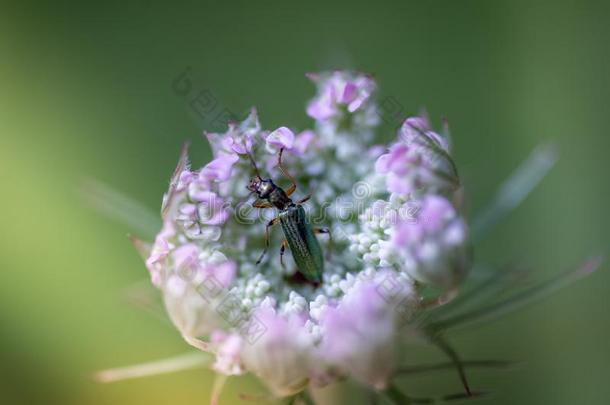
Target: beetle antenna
254	165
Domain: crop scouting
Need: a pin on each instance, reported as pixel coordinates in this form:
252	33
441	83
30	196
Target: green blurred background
85	92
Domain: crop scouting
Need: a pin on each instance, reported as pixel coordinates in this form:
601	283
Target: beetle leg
282	250
290	190
293	186
269	225
303	200
318	231
261	204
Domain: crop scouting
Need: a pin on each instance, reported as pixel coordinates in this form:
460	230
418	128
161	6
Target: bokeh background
86	93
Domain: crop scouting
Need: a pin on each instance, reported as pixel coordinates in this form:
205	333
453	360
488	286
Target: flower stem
396	396
307	398
424	368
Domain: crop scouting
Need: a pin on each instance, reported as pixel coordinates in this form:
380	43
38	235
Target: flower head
340	93
344	108
418	161
395	230
366	343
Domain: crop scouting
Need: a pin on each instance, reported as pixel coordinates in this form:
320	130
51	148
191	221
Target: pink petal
281	138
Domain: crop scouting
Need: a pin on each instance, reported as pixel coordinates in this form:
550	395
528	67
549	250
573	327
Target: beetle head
260	186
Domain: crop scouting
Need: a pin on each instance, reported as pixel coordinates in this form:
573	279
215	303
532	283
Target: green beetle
299	234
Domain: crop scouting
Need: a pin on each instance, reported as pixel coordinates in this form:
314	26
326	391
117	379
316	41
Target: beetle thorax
264	188
279	199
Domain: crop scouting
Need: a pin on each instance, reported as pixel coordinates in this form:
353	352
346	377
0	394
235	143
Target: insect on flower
298	232
401	252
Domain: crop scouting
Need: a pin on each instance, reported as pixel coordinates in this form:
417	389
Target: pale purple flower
361	338
228	349
433	245
303	141
223	273
416	128
281	356
397	165
238	138
419	161
339	91
220	168
158	254
281	138
211	209
186	257
295	335
398	234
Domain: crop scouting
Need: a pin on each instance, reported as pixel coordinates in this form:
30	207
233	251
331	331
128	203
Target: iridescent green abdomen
303	243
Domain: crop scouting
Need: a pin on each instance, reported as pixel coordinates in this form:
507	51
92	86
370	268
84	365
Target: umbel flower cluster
395	229
395	245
